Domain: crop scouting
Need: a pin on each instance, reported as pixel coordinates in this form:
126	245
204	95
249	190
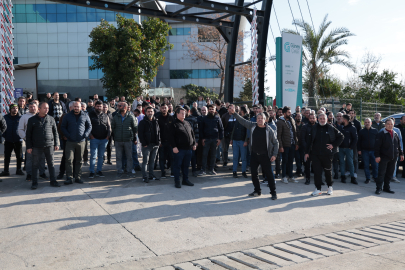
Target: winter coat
100	125
182	135
76	130
366	141
194	124
283	133
387	147
22	126
350	133
211	128
164	126
239	132
146	129
378	127
335	138
271	138
124	131
11	134
41	133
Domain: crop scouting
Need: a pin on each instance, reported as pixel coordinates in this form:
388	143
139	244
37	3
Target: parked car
397	117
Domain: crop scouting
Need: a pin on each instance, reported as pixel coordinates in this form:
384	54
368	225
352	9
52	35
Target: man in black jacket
12	141
346	149
100	133
387	149
183	142
357	125
304	135
211	133
165	150
365	147
401	127
192	120
321	145
56	107
149	135
42	138
221	109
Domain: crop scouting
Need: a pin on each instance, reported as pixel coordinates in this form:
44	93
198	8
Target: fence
363	109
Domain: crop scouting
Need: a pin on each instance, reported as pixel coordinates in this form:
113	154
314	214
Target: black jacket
357	125
402	129
222	111
182	135
11	134
350	134
164	126
3	124
194	124
387	147
211	128
367	139
41	133
304	135
239	132
145	129
100	125
335	138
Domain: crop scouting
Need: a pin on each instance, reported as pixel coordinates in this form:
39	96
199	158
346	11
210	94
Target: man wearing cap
13	141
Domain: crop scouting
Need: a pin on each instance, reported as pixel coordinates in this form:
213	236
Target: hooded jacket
22	126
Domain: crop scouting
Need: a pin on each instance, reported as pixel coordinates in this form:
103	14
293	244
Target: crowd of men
177	137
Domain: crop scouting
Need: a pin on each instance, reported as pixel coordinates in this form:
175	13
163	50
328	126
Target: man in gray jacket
260	134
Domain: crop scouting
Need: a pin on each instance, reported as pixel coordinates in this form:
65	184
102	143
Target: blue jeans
349	159
287	161
97	149
368	157
181	162
239	151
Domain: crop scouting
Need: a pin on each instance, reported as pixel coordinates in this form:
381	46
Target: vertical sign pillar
255	73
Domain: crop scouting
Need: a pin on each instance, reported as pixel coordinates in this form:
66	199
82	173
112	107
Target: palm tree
321	51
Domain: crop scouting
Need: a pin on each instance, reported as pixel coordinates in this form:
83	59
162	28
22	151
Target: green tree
129	54
246	94
194	91
329	87
321	51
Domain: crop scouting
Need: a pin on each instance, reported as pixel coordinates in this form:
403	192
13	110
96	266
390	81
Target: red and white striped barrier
6	52
255	74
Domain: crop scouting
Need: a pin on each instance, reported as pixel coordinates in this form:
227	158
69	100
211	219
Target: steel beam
262	43
230	57
145	11
131	4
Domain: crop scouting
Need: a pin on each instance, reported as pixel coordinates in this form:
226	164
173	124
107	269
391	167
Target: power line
272	33
276	18
310	15
292	16
300	11
270	55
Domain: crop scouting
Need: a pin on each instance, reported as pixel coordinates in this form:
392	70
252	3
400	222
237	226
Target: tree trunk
221	87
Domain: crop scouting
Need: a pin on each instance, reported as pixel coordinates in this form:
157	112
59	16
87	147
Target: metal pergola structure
229	29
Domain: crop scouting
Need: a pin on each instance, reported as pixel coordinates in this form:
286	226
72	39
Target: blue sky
379	27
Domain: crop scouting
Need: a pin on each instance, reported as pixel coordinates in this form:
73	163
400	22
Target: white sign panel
291	59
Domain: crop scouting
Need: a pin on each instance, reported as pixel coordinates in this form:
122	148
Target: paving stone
393	227
283	254
311	248
206	264
363	240
250	261
298	251
165	268
388	231
229	263
186	266
260	255
373	233
326	243
347	241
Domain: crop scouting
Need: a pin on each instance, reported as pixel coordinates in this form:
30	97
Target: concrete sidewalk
124	223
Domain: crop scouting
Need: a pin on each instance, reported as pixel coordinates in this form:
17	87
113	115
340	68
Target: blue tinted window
180	31
61	18
31	18
110	16
194	75
92	74
100	16
70	9
28	8
202	74
41	17
20	18
81	9
20	8
61	8
173	31
91	16
187	31
50	8
81	17
51	17
100	73
41	8
71	17
209	73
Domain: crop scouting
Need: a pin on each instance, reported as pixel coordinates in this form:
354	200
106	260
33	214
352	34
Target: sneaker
263	182
285	180
133	171
273	195
43	176
395	180
79	181
145	180
195	174
354	181
330	191
343	179
277	176
34	186
91	175
235	175
109	162
153	178
355	175
347	173
54	184
187	183
212	172
367	181
163	176
292	179
201	173
307	181
99	174
19	172
28	178
3	173
225	164
244	175
60	176
255	194
316	193
171	175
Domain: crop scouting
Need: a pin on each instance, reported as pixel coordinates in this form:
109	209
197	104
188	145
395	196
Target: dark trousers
199	154
265	163
109	148
86	152
74	153
386	169
193	161
181	162
9	147
210	147
288	161
336	163
299	158
165	155
36	159
322	163
278	164
225	147
307	170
